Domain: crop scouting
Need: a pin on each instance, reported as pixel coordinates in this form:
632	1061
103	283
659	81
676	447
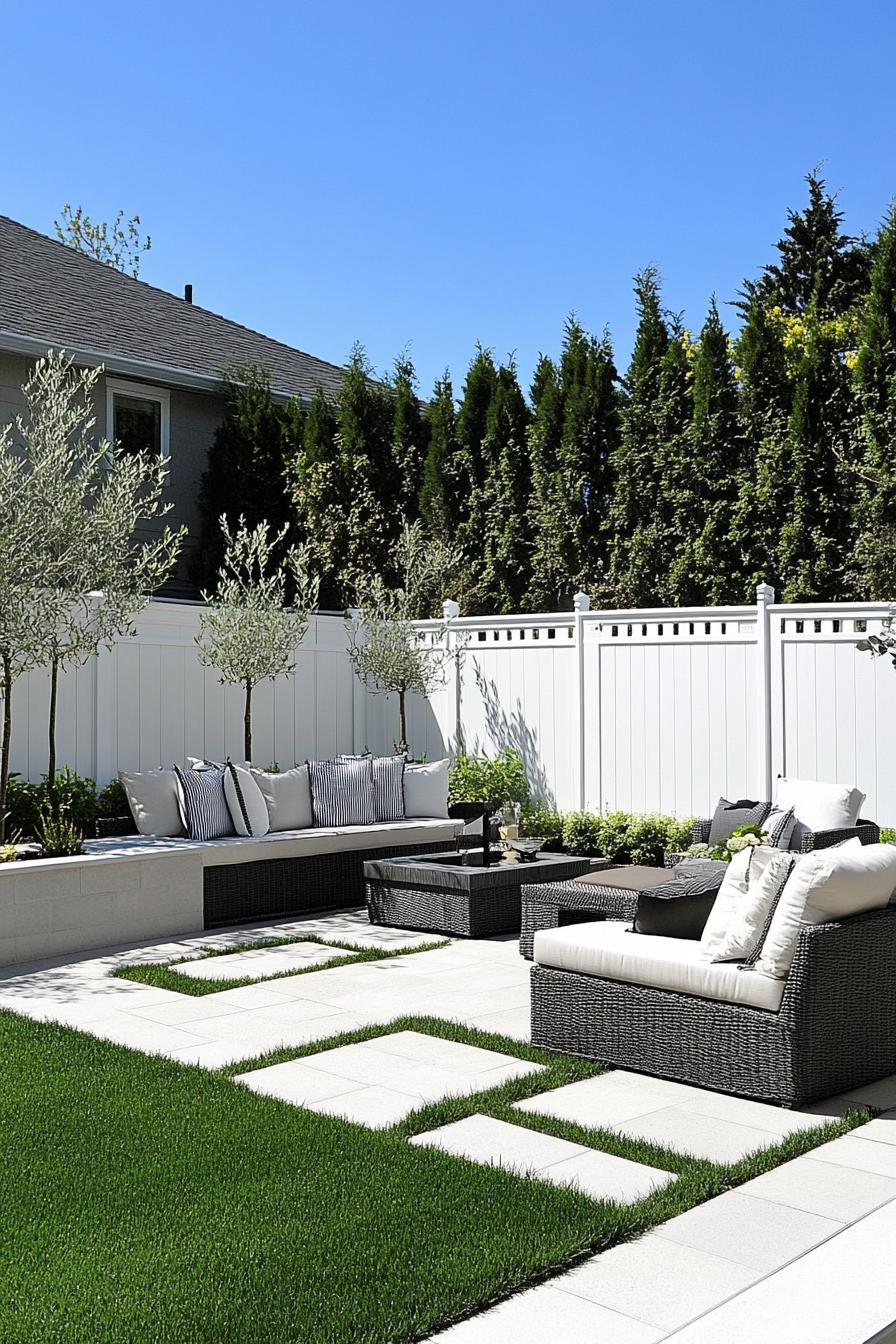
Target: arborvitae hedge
717	461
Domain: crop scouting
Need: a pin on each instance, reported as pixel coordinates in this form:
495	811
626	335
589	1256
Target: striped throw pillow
342	792
388	784
388	787
779	826
203	806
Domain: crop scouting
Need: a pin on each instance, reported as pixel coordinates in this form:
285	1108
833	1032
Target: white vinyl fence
639	710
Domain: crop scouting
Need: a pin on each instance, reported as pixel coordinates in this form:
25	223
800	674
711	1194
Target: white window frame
145	393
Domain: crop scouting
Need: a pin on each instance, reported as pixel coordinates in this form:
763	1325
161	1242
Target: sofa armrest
866	831
845	971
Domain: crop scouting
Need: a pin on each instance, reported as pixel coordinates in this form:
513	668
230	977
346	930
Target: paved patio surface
804	1254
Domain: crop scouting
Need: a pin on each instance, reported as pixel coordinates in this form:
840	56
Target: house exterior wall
194	416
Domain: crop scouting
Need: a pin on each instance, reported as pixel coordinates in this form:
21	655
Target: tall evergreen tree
654	426
503	568
573	436
819	264
440	499
316	485
473	471
814	545
410	433
874	569
245	476
708	475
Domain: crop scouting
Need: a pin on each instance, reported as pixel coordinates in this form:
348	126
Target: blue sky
404	173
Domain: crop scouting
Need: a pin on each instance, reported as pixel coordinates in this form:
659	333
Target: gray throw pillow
728	816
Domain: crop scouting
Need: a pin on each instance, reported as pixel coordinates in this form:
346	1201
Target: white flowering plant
741	838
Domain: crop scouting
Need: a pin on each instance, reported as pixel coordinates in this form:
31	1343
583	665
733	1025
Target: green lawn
144	1200
160	975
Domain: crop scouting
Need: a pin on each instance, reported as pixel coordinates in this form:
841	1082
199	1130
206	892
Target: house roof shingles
52	294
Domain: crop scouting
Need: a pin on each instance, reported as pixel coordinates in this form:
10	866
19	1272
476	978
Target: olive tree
118	244
248	632
387	651
74	572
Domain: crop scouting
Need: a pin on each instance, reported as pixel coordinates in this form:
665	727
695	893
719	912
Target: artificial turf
145	1200
160	975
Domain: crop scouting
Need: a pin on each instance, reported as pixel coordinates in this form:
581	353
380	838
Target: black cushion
678	908
728	816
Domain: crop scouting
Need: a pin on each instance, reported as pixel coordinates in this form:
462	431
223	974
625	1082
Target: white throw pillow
426	789
152	798
732	893
287	796
245	801
819	807
767	873
824	885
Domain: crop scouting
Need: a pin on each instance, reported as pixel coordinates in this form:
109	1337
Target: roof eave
14	342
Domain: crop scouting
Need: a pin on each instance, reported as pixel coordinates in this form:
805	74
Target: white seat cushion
612	951
288	844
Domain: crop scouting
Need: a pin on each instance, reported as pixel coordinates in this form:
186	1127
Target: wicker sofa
830	1026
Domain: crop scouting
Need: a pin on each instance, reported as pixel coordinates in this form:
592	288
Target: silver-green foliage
248	632
118	244
388	653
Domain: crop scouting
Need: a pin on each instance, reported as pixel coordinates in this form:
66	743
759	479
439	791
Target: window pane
138	424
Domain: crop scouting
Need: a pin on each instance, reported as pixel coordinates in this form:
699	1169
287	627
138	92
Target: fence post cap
765	593
450	609
581	602
353	613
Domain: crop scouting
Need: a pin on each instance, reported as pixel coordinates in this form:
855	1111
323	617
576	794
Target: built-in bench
133	888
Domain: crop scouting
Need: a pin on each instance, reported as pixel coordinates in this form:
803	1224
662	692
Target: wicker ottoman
611	894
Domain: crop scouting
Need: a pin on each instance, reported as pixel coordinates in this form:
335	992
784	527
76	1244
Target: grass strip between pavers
160	975
146	1199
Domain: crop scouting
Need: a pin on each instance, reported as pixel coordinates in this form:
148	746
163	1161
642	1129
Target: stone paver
672	1115
860	1154
258	962
658	1281
497	1143
842	1293
546	1315
824	1188
750	1231
379	1082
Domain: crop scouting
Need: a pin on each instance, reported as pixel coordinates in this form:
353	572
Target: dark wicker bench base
493	910
242	893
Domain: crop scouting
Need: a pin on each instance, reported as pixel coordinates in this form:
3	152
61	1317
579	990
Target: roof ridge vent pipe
188	293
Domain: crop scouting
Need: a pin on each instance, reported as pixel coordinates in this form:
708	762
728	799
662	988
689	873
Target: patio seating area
356	1042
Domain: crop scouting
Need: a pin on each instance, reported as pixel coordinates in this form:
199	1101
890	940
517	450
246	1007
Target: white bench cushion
287	844
609	949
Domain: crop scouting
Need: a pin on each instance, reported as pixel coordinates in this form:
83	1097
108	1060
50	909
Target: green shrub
625	837
497	780
648	839
679	834
543	822
58	833
888	835
582	834
23	801
112	801
75	796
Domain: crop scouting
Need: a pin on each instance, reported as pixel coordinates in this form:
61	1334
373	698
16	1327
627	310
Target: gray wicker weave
552	904
241	893
867	831
466	901
835	1029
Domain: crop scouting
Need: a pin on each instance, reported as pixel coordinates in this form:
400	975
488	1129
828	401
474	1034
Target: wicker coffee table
610	894
441	893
